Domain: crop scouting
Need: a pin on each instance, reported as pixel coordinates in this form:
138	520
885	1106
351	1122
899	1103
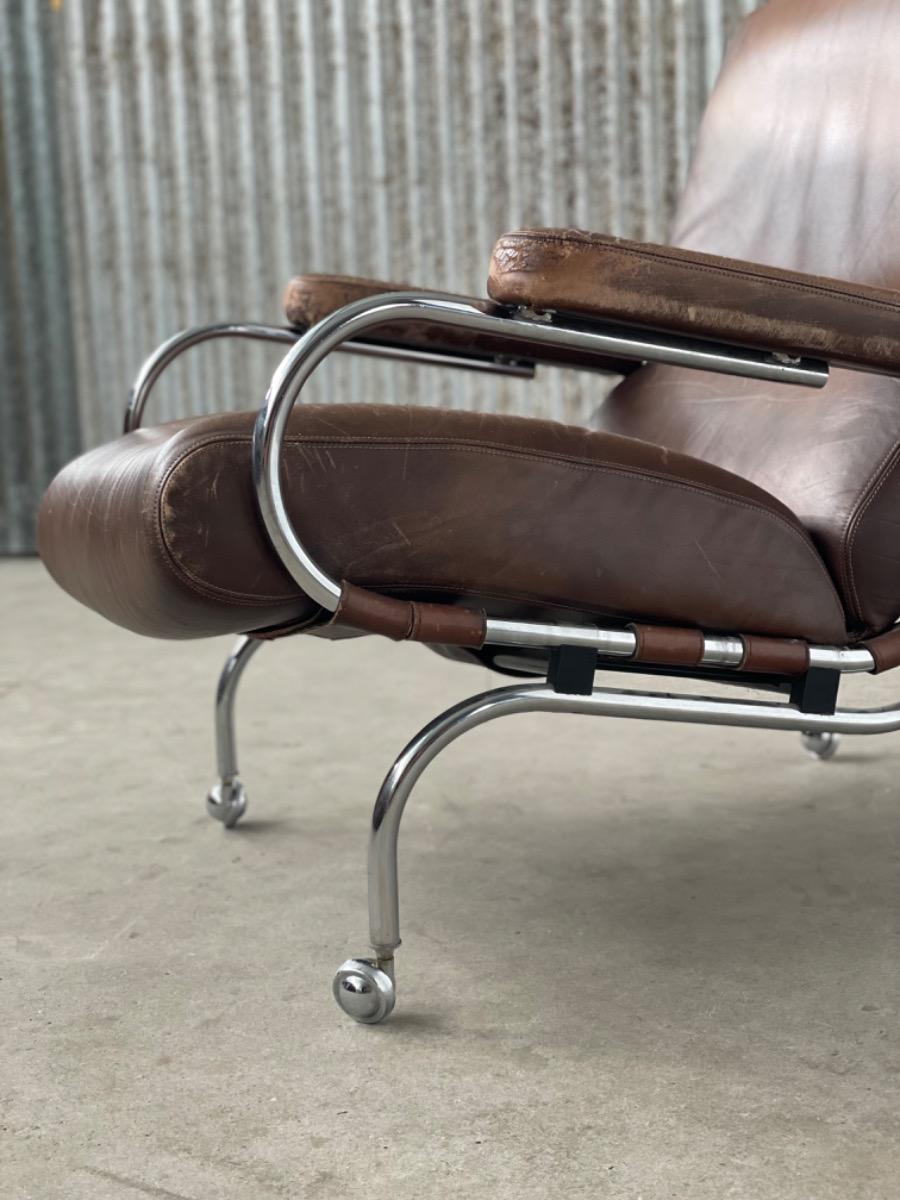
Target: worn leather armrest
683	291
309	298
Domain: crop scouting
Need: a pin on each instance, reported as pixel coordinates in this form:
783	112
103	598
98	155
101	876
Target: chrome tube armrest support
168	351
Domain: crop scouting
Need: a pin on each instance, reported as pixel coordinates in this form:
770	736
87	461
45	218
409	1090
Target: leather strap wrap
667	646
774	656
885	649
407	620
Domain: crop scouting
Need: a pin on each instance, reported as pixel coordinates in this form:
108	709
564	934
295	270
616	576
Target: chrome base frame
361	998
364	987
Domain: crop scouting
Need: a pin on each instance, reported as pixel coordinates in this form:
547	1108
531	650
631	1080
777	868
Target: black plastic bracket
816	691
571	669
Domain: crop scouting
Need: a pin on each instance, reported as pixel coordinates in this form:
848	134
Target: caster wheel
364	991
227	802
821	745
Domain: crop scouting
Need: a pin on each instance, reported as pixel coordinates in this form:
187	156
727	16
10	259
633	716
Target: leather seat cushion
159	530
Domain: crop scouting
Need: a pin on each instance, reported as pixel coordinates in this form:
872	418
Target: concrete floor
639	960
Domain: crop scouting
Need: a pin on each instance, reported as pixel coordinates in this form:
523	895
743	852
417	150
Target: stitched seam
877	481
231	597
504	450
517	453
716	269
721	266
568	464
576	460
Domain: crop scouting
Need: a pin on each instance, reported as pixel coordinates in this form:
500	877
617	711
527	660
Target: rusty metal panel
210	149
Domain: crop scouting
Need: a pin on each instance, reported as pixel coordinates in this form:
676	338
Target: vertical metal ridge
208	151
186	243
39	423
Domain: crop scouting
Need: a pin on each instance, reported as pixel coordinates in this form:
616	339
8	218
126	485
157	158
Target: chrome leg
365	987
227	800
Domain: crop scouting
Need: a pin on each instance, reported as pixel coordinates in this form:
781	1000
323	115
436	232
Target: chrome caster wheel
227	802
821	745
364	991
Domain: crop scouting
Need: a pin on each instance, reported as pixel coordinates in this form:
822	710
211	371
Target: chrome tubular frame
365	988
227	800
384	909
357	319
718	651
169	350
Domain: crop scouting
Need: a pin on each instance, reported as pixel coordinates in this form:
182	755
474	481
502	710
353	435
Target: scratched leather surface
159	530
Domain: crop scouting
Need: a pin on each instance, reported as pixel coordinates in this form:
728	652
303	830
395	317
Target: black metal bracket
571	669
816	691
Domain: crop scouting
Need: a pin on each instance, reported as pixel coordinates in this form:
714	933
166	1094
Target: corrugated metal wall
39	427
192	154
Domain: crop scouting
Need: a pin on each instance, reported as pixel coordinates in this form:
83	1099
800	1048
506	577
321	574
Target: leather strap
408	620
885	649
774	656
667	646
659	645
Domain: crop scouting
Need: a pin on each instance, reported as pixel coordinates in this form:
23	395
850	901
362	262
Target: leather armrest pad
684	291
309	298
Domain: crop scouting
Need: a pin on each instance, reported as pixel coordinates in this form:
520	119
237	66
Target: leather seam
574	460
233	598
876	482
714	269
468	447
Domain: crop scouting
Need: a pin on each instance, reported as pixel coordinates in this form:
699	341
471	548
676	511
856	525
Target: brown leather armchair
730	516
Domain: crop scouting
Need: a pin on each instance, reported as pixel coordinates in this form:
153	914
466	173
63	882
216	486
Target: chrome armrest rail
168	351
357	319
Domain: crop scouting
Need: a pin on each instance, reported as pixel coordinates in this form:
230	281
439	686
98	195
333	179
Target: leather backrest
798	166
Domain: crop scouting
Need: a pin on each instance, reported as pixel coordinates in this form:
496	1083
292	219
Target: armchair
729	516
